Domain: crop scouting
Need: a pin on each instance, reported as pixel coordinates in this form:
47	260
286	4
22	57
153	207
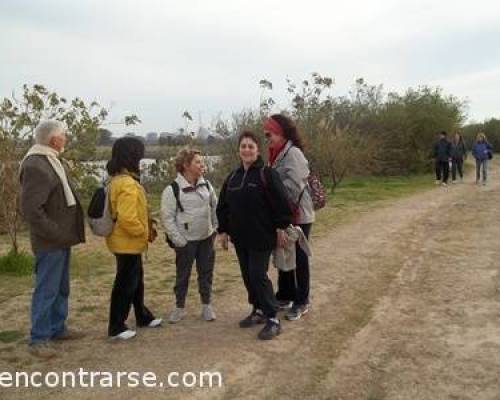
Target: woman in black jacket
253	212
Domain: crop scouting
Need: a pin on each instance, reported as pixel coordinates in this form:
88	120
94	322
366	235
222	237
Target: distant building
152	138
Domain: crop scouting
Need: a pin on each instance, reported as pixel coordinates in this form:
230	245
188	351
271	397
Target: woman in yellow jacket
129	238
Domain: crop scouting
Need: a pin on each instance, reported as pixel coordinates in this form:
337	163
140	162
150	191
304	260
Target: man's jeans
49	306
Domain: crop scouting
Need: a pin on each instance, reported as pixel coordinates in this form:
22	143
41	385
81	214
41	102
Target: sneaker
271	330
285	304
453	182
207	312
44	350
177	315
444	184
256	317
438	182
125	335
69	334
155	323
297	312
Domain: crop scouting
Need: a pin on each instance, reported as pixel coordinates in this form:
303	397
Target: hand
282	238
224	240
152	235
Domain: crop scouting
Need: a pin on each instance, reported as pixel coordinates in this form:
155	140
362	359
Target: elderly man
55	218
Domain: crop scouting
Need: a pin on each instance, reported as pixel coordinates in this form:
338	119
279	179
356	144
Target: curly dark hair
126	154
289	129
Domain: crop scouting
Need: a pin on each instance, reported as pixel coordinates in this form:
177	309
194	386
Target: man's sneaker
155	323
177	315
444	184
454	181
256	317
284	304
69	334
296	312
125	335
207	312
438	182
270	330
44	350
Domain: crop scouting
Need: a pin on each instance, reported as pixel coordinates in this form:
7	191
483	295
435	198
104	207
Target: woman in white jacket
286	156
188	214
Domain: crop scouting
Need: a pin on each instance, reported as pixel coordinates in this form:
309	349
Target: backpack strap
176	190
210	190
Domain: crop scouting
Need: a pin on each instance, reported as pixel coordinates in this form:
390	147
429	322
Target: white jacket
293	169
198	221
285	258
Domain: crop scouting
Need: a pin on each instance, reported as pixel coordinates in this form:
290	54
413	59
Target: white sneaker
207	312
155	323
177	315
125	335
438	182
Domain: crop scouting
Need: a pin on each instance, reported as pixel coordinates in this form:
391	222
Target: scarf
52	157
273	153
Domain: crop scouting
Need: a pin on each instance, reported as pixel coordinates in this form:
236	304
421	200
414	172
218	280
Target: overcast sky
157	58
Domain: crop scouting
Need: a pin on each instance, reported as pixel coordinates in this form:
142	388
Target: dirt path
406	305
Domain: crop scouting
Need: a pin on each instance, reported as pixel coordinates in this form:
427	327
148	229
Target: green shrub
20	264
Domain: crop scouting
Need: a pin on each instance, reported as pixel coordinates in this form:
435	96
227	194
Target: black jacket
458	150
252	205
442	150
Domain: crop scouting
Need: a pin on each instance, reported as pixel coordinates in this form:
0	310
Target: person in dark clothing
442	156
253	212
458	156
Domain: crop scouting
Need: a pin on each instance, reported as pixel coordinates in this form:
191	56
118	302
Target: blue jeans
49	305
481	164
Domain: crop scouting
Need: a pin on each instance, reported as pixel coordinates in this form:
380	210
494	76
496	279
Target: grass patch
10	336
20	264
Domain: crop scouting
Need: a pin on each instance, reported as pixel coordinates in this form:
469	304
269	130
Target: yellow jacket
130	209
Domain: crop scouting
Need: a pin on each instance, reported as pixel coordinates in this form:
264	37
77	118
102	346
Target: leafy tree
19	115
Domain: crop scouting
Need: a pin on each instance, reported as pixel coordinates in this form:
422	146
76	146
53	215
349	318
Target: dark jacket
442	150
250	209
480	150
458	150
53	225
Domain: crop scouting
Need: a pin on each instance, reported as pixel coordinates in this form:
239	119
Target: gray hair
45	129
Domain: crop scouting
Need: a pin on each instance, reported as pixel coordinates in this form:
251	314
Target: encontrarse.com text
115	379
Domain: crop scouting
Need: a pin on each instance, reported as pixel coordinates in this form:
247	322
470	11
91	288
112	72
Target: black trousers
128	289
442	170
201	251
294	285
457	164
254	265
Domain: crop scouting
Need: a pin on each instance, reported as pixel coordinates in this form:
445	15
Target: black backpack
176	191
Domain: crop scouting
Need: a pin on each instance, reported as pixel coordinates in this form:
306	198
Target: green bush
20	264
